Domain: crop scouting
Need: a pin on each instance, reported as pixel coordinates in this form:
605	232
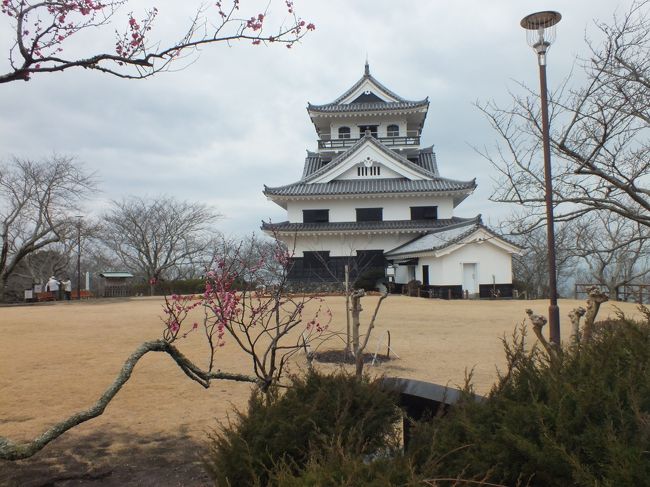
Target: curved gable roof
362	104
344	156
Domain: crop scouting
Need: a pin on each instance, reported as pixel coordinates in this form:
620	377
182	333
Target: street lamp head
540	30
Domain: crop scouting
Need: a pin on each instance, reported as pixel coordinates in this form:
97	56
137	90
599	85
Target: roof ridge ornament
367	67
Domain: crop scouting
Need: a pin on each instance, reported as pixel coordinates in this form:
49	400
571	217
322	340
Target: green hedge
282	433
180	286
582	419
579	420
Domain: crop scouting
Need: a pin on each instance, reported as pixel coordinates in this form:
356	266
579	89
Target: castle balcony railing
403	140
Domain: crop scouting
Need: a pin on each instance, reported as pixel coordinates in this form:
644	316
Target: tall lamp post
540	33
79	218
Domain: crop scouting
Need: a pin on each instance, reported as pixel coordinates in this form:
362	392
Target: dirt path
56	359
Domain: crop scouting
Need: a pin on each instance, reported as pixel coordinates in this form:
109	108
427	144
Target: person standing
53	287
67	288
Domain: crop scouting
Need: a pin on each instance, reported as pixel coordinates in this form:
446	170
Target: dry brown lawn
56	359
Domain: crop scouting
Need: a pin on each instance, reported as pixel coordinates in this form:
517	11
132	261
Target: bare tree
54	260
59	258
38	201
615	250
599	136
154	237
530	268
42	32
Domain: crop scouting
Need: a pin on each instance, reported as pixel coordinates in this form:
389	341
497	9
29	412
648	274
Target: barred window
370	214
315	216
424	212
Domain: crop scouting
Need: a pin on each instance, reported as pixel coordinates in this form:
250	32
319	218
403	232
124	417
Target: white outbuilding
373	199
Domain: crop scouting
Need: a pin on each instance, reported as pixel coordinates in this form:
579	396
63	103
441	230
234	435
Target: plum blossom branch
42	30
242	302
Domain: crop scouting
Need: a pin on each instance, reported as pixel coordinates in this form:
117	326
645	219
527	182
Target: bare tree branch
16	451
599	136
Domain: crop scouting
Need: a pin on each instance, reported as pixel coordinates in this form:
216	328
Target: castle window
315	216
371	128
392	131
316	260
424	212
370	214
370	259
344	132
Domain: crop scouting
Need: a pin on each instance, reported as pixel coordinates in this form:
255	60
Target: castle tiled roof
444	237
417	226
313	162
426	159
341	158
372	186
426	166
368	107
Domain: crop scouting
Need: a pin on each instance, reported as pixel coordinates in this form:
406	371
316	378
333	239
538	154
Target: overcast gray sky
235	119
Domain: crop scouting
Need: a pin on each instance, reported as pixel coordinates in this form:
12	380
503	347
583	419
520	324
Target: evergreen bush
581	419
334	467
282	432
369	279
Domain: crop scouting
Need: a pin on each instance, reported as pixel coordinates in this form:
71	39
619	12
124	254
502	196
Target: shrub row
282	432
581	419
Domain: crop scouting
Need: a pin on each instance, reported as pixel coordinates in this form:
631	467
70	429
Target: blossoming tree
42	30
240	306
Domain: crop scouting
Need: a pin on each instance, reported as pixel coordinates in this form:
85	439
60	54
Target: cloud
234	119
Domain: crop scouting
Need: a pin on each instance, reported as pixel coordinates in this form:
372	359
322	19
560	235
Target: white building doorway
470	278
411	273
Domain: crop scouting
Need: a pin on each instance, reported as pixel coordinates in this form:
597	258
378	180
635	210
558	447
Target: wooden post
355	309
388	346
575	291
347	308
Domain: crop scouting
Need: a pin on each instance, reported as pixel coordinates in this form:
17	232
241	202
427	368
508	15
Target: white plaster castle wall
401	274
343	210
354	122
346	245
448	269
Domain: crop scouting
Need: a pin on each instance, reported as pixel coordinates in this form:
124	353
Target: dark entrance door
425	275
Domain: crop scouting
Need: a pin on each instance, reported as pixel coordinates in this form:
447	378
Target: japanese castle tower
373	198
